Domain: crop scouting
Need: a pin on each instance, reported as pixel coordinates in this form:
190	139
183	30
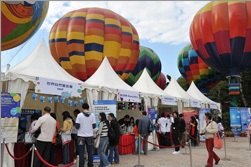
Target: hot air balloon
161	82
221	34
147	59
193	68
20	20
81	39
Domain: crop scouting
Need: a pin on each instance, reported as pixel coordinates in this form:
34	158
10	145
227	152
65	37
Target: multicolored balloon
193	68
147	59
161	82
221	34
81	39
20	21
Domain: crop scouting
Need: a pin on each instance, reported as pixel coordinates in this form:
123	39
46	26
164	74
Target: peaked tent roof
146	85
176	90
195	92
40	63
106	77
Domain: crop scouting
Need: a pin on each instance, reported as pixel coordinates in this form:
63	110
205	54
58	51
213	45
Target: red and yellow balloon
20	20
81	39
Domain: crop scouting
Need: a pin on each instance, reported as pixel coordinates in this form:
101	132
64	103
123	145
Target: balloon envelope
221	34
81	39
20	20
148	59
193	68
161	82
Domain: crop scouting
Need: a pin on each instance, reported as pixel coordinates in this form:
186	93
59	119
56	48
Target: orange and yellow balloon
20	20
81	39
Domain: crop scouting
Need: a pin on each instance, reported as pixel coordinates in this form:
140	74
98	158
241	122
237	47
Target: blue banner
10	105
202	121
245	118
152	113
235	120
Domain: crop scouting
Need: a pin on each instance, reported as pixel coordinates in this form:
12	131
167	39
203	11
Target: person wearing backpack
113	142
143	130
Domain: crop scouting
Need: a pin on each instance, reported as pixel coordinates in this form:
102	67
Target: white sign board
56	87
195	103
9	129
106	106
213	106
167	100
128	96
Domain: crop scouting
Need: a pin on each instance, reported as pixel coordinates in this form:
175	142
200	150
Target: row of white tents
103	84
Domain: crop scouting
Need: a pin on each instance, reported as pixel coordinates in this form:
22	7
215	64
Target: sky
162	26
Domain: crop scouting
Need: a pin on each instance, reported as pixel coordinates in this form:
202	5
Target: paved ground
236	151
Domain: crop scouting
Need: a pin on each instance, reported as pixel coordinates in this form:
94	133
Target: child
137	138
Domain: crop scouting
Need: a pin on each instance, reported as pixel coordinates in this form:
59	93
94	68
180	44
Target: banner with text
106	106
128	96
202	122
195	103
213	106
9	128
10	104
56	87
245	118
167	100
235	120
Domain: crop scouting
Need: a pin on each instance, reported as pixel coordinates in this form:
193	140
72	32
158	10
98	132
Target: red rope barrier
196	139
15	158
48	164
183	144
127	144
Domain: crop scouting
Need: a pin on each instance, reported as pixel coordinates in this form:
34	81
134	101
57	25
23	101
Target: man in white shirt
85	123
47	125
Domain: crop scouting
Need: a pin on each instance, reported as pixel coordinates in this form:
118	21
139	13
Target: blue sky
162	26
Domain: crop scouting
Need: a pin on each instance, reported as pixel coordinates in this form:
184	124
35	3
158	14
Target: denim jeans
66	153
103	145
88	141
137	143
113	151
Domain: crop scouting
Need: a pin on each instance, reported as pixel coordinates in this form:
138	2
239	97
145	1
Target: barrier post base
138	166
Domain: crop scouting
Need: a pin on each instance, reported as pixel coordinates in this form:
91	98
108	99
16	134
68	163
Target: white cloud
155	21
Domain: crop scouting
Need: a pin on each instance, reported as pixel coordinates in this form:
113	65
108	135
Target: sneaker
176	152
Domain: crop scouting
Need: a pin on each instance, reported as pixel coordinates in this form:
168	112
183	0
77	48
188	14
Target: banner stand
249	149
225	158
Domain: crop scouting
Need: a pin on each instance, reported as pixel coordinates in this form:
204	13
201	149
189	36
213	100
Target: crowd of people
171	129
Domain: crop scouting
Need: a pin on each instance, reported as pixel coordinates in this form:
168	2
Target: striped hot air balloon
193	68
20	20
81	39
221	34
147	59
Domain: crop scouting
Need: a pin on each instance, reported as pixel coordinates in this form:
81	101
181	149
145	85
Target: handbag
28	138
97	141
217	141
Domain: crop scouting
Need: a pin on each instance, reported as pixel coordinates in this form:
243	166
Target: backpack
111	132
150	126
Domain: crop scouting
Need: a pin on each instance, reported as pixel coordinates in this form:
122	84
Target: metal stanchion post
185	153
225	158
190	151
32	154
2	151
235	137
139	153
249	149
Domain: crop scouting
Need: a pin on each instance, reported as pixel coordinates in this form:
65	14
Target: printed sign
167	100
56	87
10	104
195	103
128	96
245	118
235	120
9	129
213	106
152	113
202	121
106	106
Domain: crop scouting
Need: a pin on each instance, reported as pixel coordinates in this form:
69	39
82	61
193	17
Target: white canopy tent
40	63
149	89
109	82
185	100
208	103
